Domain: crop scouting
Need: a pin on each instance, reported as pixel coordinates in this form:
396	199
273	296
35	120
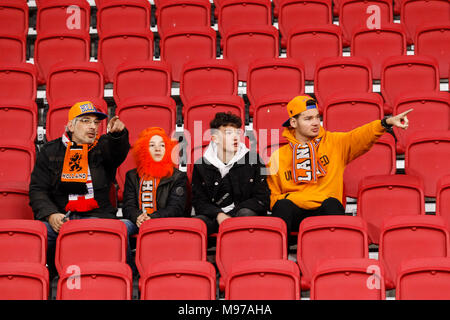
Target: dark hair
225	119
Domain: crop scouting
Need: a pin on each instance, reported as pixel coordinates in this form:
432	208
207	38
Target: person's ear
71	126
293	122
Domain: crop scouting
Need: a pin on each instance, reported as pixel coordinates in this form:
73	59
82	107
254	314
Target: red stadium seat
431	112
434	41
23	241
74	81
322	41
140	113
116	48
341	75
12	49
274	76
14	201
251	13
263	280
18	122
345	112
123	16
355	14
14	16
179	280
57	117
243	45
379	160
16	163
170	239
378	44
142	79
417	13
122	170
443	198
348	279
329	237
183	13
407	237
407	74
300	13
17	82
209	77
63	16
426	156
424	279
53	48
96	281
90	240
401	195
23	281
249	238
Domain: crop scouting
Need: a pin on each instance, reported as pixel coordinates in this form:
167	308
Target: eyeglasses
87	122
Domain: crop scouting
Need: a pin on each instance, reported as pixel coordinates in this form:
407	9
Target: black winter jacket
171	196
248	184
46	196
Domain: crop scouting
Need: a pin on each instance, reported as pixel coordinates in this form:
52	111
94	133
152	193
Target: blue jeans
52	235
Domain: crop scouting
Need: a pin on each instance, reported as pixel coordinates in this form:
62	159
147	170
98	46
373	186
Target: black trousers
213	226
294	215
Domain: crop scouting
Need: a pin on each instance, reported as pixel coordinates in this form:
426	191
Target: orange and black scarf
306	164
76	177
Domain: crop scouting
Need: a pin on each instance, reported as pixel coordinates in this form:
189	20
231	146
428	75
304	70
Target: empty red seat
407	237
407	74
140	113
263	280
122	170
179	280
426	156
354	14
209	77
235	13
96	281
183	13
179	45
274	76
63	16
116	48
348	279
170	239
312	13
329	237
322	41
243	45
75	81
57	117
345	112
16	162
249	238
431	112
22	240
53	48
17	82
341	75
415	13
434	41
23	281
14	16
443	198
12	48
378	44
400	194
123	16
18	122
14	201
145	79
379	160
90	240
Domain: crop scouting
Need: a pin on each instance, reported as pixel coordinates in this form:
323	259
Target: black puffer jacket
46	196
171	196
248	184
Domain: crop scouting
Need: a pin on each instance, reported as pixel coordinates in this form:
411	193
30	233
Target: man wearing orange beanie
306	175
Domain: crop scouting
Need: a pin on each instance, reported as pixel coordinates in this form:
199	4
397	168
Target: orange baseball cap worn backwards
85	108
298	105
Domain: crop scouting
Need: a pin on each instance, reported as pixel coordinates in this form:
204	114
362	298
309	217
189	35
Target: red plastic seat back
23	281
17	82
14	17
434	41
63	16
11	115
16	163
443	198
12	49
